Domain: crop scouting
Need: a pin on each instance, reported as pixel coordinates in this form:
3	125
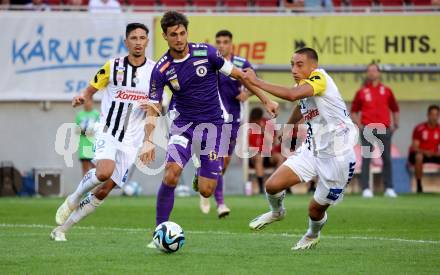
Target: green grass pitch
377	236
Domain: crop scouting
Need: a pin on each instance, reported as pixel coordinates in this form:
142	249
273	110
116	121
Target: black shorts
434	159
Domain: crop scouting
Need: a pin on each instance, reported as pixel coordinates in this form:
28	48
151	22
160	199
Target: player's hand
143	104
243	96
272	107
148	152
250	76
78	100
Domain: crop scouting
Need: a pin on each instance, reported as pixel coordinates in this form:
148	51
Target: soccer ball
132	189
168	237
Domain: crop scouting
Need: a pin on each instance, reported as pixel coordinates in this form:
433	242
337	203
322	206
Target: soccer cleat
151	245
195	183
205	205
261	221
223	211
306	243
57	235
367	193
63	213
390	193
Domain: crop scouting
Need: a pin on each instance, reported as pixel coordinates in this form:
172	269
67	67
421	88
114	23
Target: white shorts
107	147
333	174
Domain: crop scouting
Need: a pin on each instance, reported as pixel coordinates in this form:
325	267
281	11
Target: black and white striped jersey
123	85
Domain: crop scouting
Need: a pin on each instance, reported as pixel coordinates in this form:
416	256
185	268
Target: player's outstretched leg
89	181
165	195
276	185
86	207
104	170
317	220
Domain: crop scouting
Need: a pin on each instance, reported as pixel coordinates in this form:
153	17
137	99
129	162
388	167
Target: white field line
225	233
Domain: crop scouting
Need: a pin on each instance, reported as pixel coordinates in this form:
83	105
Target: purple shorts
203	140
233	128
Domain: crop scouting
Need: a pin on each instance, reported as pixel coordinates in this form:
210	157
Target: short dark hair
132	26
256	114
311	53
433	107
224	33
173	18
375	65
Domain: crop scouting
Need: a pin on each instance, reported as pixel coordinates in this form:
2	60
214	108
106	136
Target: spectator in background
37	5
104	6
375	101
86	120
425	143
266	146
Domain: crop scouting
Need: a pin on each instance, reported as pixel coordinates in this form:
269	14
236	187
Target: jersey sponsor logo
120	68
200	53
311	114
202	61
219	54
238	63
170	71
178	140
198	45
201	71
164	67
130	95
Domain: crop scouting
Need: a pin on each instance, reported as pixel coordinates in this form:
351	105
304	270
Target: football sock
276	201
316	226
89	182
419	186
261	184
219	191
86	207
164	203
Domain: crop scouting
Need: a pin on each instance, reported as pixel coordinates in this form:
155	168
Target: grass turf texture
362	236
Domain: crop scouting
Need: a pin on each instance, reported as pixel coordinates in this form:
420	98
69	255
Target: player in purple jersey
191	72
232	94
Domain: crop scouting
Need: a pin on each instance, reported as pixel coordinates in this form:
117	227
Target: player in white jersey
124	82
327	153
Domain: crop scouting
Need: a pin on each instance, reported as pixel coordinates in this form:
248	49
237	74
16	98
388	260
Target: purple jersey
230	88
193	81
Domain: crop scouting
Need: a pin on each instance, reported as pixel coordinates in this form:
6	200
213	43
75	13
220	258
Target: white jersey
331	131
123	85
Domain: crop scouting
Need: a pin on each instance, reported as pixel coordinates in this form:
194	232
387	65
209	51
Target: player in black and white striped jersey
124	82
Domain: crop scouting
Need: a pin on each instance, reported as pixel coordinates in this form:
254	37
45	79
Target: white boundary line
225	233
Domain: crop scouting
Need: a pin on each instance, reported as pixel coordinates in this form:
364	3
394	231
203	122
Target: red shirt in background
257	140
375	103
428	137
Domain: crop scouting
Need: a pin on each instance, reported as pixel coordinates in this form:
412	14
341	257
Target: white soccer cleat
306	243
367	193
223	211
267	218
63	213
151	245
57	235
205	205
390	193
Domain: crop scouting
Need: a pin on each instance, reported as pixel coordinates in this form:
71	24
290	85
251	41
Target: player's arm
153	109
287	93
99	82
296	116
270	105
